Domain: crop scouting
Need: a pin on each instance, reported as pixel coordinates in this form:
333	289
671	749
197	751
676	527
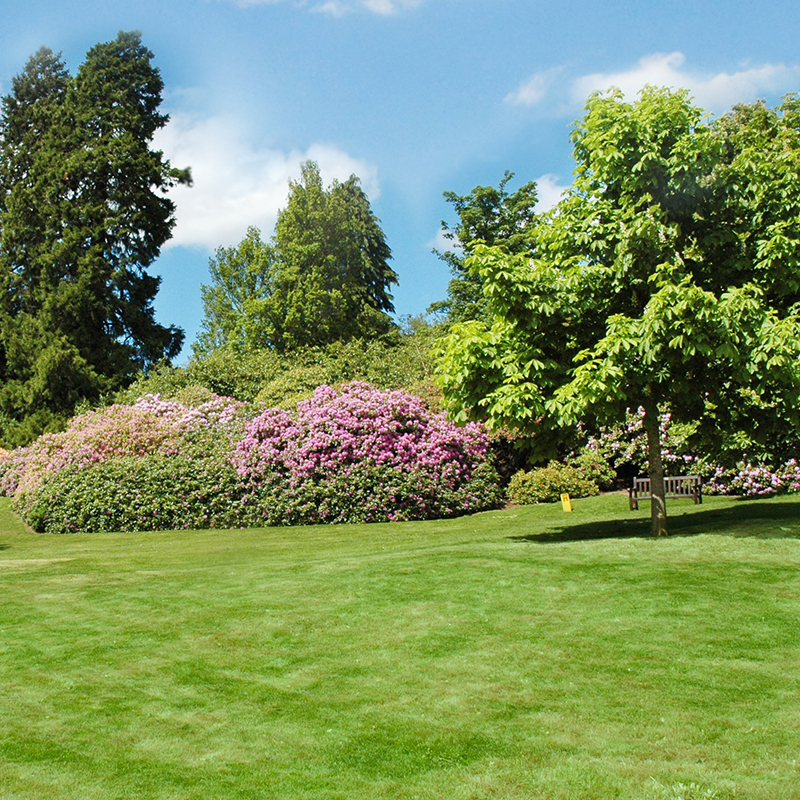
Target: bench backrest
680	485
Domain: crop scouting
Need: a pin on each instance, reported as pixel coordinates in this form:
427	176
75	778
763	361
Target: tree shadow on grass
761	519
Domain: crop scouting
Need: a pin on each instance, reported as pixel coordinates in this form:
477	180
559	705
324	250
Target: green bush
594	467
369	493
547	484
399	360
154	492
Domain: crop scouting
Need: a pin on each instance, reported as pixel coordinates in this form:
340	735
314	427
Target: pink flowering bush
359	454
627	443
148	426
352	455
755	480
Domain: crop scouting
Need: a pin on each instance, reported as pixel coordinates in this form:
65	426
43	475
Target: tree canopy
237	302
83	213
323	278
488	215
669	274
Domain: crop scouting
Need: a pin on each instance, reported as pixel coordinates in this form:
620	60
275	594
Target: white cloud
714	92
441	243
389	6
549	192
534	89
333	7
236	183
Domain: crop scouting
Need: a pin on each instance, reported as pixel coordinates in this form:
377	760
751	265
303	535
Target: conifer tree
83	214
324	277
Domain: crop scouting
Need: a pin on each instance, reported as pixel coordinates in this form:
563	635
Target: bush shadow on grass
761	519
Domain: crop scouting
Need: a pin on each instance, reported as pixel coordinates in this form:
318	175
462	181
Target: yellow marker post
566	503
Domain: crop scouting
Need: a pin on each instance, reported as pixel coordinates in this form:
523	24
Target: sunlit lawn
524	653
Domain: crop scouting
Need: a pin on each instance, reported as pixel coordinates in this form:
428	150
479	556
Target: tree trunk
658	510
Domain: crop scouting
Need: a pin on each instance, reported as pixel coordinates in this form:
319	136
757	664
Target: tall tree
84	213
324	278
333	277
668	274
490	215
28	116
237	301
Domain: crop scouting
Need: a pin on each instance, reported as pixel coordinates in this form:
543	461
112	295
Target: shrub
359	454
627	443
547	484
153	492
351	455
594	467
754	480
151	426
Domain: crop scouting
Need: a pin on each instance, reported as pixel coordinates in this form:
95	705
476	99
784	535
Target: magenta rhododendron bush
361	454
335	430
354	454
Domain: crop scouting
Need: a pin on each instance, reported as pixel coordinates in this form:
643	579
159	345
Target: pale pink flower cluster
626	443
150	425
756	480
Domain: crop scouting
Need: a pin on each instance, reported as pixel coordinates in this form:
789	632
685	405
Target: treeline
666	279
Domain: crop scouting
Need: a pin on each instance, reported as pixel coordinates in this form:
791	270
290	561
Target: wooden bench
675	487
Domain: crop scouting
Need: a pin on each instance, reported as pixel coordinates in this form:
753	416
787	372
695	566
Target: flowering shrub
547	484
354	455
149	426
151	492
755	480
361	455
627	443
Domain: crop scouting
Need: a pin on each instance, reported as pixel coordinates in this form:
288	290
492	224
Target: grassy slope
518	654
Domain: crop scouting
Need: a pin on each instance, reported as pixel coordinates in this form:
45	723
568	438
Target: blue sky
416	97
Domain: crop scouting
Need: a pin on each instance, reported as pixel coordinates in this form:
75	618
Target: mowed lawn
523	653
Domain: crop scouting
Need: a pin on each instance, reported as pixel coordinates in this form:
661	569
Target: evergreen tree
323	279
333	274
83	215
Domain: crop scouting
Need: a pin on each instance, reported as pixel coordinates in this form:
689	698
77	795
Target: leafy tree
324	277
82	215
668	274
237	302
492	216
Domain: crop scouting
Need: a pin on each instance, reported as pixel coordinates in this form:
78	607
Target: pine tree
83	215
333	274
324	278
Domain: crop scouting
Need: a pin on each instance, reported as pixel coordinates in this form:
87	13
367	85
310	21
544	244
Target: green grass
523	653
